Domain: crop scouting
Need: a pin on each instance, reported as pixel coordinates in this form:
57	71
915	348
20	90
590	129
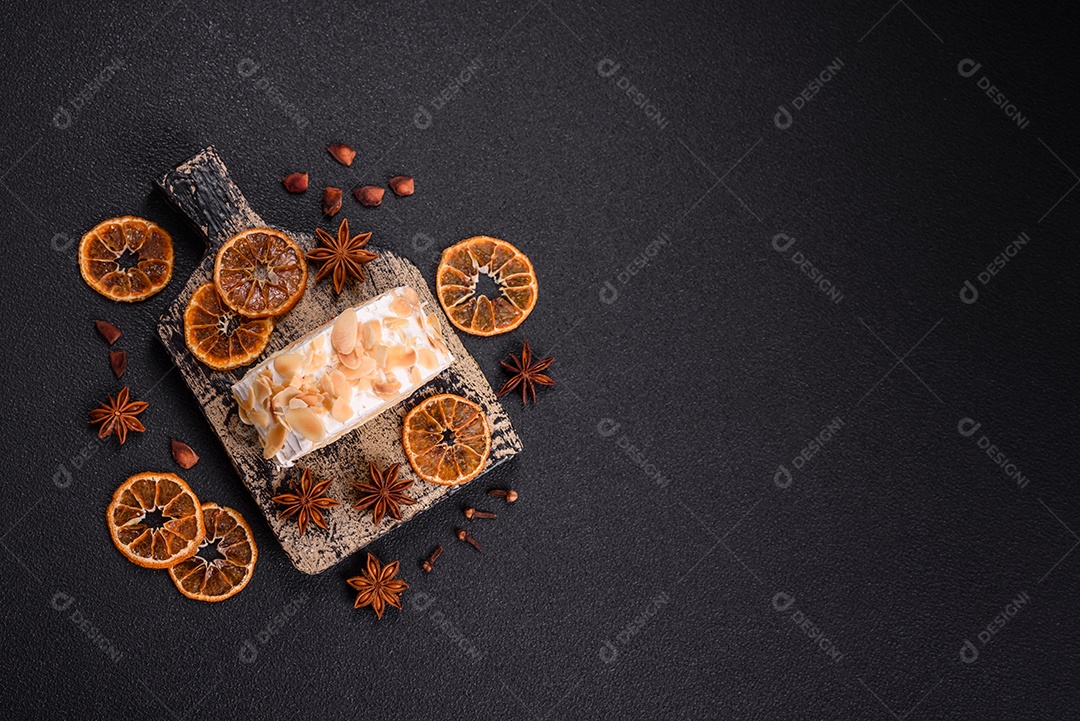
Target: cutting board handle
202	190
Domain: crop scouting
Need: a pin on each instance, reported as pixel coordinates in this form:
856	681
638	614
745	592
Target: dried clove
463	535
510	495
430	561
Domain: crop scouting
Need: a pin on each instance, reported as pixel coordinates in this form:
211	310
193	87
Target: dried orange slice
459	271
447	439
260	273
225	576
152	544
220	338
126	258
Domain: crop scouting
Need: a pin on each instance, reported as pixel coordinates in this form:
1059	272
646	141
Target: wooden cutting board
202	190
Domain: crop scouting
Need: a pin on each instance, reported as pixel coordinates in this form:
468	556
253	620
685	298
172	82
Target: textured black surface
649	484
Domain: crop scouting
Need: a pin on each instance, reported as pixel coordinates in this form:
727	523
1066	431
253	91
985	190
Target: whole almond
182	454
331	200
402	185
295	182
118	361
108	331
369	195
342	153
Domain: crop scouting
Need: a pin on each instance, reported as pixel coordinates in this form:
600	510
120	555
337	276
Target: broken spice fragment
342	153
369	195
108	331
295	182
118	361
331	200
402	185
182	454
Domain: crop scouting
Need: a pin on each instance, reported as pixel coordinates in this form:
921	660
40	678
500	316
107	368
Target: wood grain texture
202	190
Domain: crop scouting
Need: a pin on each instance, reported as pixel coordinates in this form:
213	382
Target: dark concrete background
655	567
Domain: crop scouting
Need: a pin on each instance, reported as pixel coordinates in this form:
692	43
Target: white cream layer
402	322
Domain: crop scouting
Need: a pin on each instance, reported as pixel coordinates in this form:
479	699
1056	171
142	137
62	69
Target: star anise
306	503
117	416
378	588
526	373
385	493
343	256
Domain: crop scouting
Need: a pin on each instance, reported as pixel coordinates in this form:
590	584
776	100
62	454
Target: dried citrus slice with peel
447	439
206	579
219	337
175	533
126	258
459	271
260	273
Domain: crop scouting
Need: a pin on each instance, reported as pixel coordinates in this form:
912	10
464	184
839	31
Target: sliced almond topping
350	360
260	418
427	358
297	403
244	418
379	353
281	400
414	376
437	343
400	307
368	366
326	386
434	323
260	390
352	374
341	410
245	403
275	441
387	388
411	297
343	336
316	359
372	333
397	327
306	423
310	398
363	385
400	357
340	385
288	364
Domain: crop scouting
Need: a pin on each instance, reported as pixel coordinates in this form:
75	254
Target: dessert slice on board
202	190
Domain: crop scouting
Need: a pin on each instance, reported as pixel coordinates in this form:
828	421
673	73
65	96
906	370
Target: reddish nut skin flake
369	195
118	361
295	182
108	331
182	454
331	200
402	185
342	153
